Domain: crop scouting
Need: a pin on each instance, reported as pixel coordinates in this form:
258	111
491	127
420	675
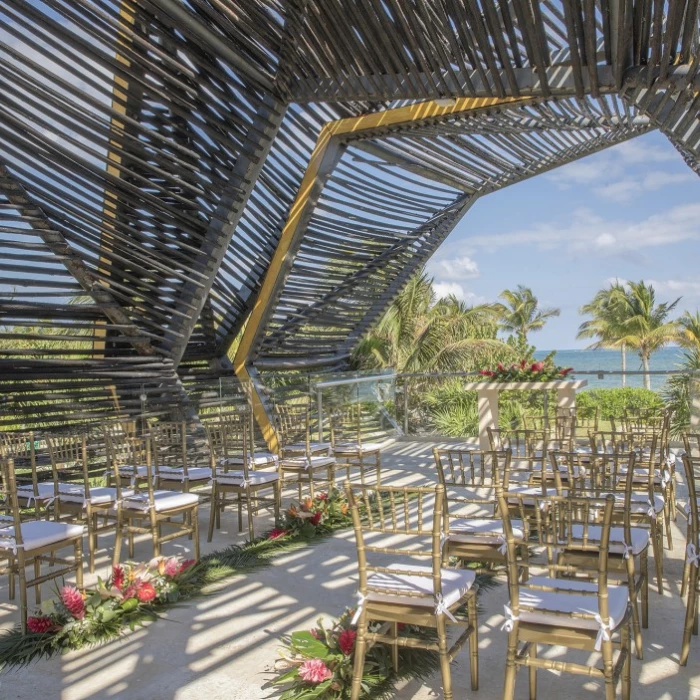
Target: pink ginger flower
73	601
40	625
314	671
172	567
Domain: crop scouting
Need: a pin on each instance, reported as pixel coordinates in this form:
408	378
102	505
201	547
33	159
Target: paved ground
222	646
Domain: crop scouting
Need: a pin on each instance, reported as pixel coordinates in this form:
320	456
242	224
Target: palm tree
645	323
421	333
689	331
521	313
606	324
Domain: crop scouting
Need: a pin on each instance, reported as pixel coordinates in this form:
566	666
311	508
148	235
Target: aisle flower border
135	594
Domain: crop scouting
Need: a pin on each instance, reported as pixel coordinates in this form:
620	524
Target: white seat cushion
129	470
313	447
352	448
236	478
99	495
685	505
39	533
259	459
455	583
640	538
45	489
618	597
640	502
306	463
178	473
162	500
481	530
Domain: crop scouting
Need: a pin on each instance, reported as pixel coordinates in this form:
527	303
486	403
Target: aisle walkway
222	646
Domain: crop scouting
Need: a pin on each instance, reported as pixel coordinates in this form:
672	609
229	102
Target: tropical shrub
613	403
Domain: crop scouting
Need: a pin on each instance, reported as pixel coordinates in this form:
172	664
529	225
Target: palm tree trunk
623	350
645	365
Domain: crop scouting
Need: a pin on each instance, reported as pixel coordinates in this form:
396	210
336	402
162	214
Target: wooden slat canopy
151	152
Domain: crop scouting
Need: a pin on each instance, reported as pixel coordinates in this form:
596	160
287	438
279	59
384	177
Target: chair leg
473	642
533	672
395	647
37	573
22	594
632	587
686	570
78	556
249	511
667	519
92	540
240	512
690	614
511	668
359	662
627	667
444	657
195	532
608	667
278	502
644	567
118	540
656	544
213	509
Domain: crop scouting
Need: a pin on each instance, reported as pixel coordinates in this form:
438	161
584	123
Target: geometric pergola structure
168	167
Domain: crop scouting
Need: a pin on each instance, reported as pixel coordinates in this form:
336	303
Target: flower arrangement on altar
526	371
313	516
318	663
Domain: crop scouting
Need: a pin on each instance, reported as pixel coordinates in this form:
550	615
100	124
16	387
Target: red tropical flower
537	366
73	601
316	517
118	577
566	371
322	497
522	364
346	641
145	592
276	533
186	565
40	625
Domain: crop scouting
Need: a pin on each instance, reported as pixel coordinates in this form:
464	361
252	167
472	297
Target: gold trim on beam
323	159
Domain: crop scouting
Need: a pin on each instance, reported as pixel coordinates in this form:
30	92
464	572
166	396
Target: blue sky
630	212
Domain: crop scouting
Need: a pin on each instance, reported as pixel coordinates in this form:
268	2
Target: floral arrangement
314	516
525	371
318	663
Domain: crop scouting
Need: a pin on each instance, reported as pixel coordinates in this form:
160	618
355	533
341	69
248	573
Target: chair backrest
9	494
388	513
691	443
294	424
587	421
563	522
472	468
574	471
230	445
130	452
691	466
20	447
69	459
169	448
346	425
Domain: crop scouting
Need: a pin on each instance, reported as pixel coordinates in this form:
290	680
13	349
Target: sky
629	212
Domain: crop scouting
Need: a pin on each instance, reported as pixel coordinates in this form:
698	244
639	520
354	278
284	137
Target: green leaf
305	643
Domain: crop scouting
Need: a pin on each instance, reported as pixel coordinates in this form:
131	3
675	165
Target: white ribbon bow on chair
651	511
603	632
510	619
503	549
442	609
627	550
360	603
693	555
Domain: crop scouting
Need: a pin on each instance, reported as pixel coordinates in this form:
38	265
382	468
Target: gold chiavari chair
691	570
151	511
473	530
691	466
77	501
587	421
21	448
349	448
301	458
171	460
238	470
129	450
528	447
567	612
629	546
31	542
647	505
402	592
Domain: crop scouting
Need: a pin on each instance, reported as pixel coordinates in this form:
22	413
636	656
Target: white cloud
587	233
688	289
463	268
446	289
614	173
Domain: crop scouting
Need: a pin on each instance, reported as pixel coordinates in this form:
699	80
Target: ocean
666	359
